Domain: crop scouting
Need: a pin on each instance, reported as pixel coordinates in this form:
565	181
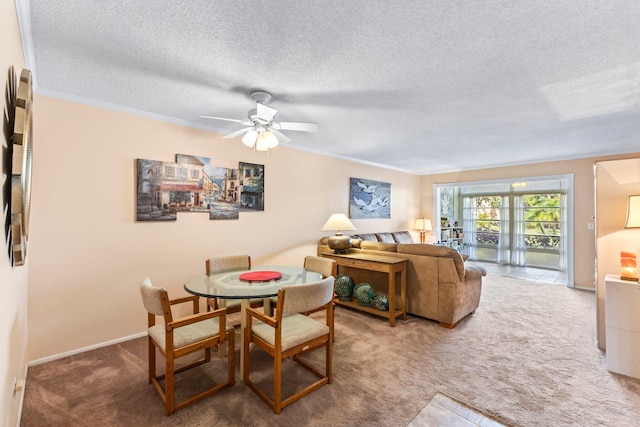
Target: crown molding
23	10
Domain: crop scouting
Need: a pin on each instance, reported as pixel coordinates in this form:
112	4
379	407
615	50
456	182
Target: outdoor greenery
488	220
541	216
542	221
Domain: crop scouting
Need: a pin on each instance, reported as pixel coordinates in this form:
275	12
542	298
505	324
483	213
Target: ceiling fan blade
238	132
265	112
244	122
282	138
301	127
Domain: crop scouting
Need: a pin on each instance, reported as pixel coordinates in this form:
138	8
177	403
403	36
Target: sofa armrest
472	271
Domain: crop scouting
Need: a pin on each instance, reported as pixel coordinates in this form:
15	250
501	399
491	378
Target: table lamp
423	225
338	222
633	212
628	267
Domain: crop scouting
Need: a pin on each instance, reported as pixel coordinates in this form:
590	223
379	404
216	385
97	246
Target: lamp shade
249	139
266	140
423	224
338	222
633	212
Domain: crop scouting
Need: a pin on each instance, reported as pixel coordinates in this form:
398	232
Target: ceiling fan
262	132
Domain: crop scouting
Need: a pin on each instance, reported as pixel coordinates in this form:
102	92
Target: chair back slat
325	266
308	296
152	297
228	263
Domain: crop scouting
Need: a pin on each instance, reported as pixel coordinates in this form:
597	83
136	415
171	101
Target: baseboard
82	350
582	288
26	372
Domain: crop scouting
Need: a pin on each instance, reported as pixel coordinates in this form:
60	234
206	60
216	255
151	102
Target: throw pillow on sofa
385	238
370	237
402	237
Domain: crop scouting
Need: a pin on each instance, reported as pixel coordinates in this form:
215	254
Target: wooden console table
385	264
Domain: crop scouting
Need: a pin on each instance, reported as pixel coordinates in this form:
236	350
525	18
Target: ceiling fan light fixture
271	139
262	132
250	138
261	143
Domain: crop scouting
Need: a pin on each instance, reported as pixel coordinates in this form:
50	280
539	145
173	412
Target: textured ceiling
419	86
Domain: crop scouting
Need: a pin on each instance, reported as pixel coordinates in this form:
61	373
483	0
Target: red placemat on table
260	276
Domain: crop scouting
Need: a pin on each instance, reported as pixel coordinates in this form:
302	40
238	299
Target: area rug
526	357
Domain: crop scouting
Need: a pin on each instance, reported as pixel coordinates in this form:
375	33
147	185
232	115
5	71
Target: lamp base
422	236
339	243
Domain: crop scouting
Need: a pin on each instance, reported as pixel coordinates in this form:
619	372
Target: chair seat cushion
296	329
228	302
187	334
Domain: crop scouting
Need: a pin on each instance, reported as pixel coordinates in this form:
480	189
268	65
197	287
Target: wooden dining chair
175	338
291	334
326	267
221	265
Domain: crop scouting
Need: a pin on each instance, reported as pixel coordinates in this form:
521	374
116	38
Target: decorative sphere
364	294
381	302
344	287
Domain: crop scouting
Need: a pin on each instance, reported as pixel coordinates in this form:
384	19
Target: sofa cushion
385	237
437	251
371	237
355	242
402	237
378	246
429	250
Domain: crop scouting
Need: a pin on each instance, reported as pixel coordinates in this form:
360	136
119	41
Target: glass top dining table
229	285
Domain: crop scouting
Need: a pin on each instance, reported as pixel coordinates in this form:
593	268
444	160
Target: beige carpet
527	357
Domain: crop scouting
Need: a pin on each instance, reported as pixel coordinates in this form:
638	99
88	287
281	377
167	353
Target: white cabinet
622	322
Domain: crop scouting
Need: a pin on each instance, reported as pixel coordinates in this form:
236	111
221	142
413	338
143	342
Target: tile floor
443	411
528	273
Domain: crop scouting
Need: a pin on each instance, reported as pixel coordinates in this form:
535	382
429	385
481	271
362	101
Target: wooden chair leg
231	356
277	382
245	349
329	361
152	359
169	384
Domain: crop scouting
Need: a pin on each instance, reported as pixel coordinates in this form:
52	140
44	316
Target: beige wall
13	281
616	181
88	254
582	170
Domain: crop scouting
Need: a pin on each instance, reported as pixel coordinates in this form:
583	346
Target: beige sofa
440	284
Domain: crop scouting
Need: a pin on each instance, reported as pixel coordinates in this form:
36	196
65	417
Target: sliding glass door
517	223
540	230
484	225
